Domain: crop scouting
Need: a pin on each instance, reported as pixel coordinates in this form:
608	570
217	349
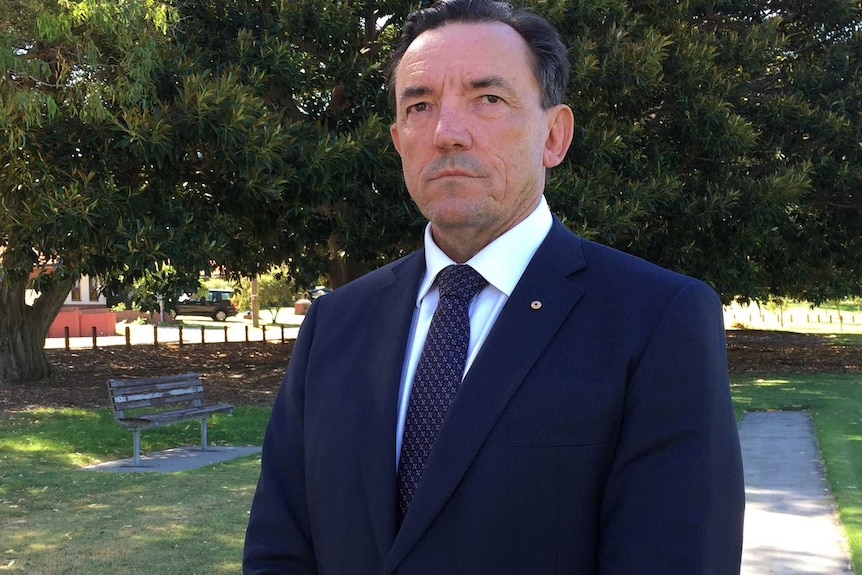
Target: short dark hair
549	61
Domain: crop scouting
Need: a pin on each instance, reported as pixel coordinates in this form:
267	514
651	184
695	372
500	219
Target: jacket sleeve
278	537
674	501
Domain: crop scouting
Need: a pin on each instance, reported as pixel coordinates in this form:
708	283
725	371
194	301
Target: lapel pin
536	304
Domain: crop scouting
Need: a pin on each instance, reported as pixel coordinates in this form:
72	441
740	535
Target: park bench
146	402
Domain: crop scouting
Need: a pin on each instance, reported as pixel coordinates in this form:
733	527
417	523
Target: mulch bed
239	373
250	373
771	352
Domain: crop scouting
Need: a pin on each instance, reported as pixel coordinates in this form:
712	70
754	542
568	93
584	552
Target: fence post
155	335
128	338
66	337
246	334
203	336
180	333
94	337
225	334
263	333
282	334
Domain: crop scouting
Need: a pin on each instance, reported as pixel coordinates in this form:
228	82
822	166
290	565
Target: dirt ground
238	373
250	373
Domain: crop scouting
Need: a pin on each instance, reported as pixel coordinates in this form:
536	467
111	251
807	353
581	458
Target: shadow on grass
56	519
68	438
191	522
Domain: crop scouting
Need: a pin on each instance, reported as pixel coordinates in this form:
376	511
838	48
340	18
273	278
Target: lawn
55	518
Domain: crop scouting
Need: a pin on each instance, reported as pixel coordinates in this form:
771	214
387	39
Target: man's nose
452	129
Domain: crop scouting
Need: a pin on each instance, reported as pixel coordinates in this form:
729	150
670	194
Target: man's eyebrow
477	84
414	92
489	82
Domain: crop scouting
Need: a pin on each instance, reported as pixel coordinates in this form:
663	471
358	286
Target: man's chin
457	215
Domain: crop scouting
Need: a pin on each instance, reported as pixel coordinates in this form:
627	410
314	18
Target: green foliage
289	94
166	281
717	138
275	291
720	139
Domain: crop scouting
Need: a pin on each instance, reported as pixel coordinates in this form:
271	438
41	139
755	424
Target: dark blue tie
438	375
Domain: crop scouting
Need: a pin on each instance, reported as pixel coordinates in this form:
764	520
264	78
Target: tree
197	134
275	291
714	137
74	199
104	170
313	69
719	139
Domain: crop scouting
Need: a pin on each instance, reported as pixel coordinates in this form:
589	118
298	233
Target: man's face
473	138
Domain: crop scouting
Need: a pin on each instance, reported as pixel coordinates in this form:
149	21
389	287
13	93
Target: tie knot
460	281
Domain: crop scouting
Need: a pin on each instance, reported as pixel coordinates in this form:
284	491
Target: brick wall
81	320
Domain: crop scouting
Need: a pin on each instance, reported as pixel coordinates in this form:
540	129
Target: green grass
55	518
835	404
847	339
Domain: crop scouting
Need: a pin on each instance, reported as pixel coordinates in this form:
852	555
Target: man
592	431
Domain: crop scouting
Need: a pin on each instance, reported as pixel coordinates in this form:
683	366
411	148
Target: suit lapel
502	364
390	315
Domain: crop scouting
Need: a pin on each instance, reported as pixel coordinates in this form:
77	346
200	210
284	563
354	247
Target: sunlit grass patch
55	518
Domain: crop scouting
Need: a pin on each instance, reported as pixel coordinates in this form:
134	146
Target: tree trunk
23	328
342	270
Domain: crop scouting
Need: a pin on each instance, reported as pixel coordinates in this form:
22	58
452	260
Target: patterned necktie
438	375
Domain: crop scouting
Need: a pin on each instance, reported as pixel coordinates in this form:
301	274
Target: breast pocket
562	433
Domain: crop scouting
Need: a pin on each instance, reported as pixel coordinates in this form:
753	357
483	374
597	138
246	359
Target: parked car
216	304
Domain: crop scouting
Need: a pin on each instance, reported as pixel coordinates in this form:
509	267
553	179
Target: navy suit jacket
593	435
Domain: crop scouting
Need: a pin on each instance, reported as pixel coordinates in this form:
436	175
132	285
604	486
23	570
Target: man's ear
393	132
561	129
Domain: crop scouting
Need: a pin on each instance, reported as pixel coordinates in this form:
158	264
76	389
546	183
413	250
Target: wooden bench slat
184	393
155	399
158	380
185	389
154	385
187	414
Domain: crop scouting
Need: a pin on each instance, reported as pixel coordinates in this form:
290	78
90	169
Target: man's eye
491	99
420	107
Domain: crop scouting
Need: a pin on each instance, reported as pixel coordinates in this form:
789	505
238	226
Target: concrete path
791	525
178	459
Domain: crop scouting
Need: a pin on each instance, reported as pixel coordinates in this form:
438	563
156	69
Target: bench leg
203	433
136	442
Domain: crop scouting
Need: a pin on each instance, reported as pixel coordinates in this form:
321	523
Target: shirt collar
503	261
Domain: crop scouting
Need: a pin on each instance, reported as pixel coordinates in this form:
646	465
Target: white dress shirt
501	263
